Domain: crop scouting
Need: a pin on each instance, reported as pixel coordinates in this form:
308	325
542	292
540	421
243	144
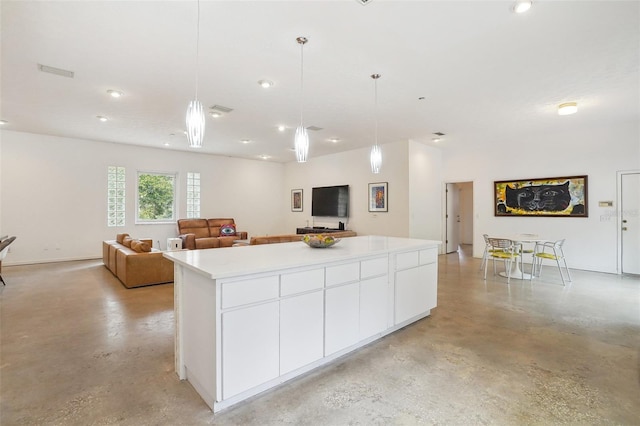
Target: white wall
425	189
53	193
595	151
352	168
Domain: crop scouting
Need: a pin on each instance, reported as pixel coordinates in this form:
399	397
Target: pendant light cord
301	78
376	107
197	49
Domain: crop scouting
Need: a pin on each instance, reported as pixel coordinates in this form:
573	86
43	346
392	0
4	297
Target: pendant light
302	137
195	113
376	152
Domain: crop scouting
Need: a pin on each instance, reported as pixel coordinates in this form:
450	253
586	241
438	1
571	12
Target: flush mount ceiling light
195	113
302	137
567	108
115	93
522	6
376	152
265	83
102	118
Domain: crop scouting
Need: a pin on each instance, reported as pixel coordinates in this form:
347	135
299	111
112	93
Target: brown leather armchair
206	233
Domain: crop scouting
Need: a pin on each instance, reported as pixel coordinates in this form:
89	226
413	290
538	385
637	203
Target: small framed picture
296	200
379	197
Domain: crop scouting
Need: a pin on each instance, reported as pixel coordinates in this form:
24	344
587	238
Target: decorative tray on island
319	241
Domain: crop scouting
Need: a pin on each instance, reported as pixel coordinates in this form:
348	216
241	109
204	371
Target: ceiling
473	70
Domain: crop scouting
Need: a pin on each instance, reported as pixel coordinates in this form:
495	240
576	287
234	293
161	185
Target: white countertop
234	261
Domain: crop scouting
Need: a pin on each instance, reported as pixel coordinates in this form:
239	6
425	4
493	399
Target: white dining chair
4	249
487	251
551	250
502	249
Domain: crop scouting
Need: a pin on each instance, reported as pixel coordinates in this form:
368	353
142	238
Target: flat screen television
330	201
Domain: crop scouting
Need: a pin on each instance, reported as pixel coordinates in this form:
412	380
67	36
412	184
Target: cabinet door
342	315
373	306
250	346
301	331
416	291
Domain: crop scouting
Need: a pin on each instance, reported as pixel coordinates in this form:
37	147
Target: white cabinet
342	317
250	348
415	291
373	306
301	330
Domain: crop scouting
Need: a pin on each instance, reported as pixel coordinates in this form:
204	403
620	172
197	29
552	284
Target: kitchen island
250	318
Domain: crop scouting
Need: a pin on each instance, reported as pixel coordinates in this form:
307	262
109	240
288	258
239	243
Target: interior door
630	207
453	218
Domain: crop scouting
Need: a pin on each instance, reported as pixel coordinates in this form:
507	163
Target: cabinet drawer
299	282
236	293
343	273
406	260
374	267
428	256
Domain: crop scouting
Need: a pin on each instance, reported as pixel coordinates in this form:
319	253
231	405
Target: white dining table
521	239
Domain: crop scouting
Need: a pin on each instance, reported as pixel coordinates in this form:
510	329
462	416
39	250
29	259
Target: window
156	197
193	194
115	196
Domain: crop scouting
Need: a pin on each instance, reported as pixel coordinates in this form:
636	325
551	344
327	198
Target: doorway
629	222
458	215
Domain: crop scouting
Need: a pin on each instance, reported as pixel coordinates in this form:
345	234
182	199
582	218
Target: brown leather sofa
205	233
135	263
287	238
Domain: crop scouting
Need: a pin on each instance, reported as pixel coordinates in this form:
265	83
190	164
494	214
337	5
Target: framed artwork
296	200
558	196
378	197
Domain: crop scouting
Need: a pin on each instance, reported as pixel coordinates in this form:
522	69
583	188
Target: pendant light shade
195	113
376	153
376	159
302	137
302	144
195	124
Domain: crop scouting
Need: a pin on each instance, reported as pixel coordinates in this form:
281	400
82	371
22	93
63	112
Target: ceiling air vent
220	108
364	2
56	71
439	134
314	128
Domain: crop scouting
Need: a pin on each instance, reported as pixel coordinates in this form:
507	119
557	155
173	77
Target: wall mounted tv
330	201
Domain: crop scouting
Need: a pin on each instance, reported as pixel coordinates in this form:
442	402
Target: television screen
330	201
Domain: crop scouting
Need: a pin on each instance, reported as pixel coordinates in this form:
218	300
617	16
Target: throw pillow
140	246
228	230
120	237
126	241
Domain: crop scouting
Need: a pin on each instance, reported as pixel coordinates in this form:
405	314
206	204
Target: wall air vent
56	71
220	108
314	128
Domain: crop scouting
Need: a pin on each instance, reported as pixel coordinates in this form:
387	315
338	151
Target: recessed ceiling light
265	83
436	140
245	141
166	144
567	108
115	93
282	128
522	6
215	114
3	122
102	118
334	140
264	156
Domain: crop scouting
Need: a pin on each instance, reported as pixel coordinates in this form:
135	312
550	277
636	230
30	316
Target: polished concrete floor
77	348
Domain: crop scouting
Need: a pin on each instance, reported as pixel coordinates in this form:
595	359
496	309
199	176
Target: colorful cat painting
548	198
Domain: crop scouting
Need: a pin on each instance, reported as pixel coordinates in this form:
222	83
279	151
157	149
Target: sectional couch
208	233
135	262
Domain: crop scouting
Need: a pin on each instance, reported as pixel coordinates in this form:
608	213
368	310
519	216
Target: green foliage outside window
156	196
